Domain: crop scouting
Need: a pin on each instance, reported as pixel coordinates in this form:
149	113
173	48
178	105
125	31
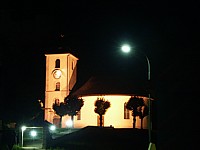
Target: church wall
114	115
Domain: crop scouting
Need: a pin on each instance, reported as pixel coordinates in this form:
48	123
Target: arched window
57	102
57	63
57	86
126	112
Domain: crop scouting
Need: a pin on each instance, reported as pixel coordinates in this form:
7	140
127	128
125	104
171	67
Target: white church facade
61	76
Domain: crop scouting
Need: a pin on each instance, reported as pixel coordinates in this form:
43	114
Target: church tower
61	75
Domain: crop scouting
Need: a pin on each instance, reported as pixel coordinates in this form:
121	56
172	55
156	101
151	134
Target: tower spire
61	40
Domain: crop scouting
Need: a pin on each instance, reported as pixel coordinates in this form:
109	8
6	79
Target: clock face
57	73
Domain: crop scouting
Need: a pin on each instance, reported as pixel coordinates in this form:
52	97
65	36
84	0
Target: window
57	102
56	121
57	86
79	115
126	112
57	63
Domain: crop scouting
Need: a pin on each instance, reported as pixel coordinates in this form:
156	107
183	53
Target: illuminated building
61	74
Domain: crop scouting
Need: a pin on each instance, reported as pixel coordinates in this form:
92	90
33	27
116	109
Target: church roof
60	51
98	85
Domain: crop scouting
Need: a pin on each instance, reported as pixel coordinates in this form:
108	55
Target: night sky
166	32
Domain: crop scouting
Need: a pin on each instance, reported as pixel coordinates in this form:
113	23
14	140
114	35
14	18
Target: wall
114	115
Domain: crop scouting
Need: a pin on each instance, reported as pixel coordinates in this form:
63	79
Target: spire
61	41
59	45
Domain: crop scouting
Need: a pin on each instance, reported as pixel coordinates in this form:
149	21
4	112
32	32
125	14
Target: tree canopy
101	106
138	108
73	105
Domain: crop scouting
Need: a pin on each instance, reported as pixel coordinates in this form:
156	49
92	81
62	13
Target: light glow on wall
114	115
69	123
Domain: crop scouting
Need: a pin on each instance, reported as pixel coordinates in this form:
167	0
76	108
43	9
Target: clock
57	73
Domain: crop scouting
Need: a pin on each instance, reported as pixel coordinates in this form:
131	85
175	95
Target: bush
16	147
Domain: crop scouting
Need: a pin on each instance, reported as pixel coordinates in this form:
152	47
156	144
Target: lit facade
116	115
59	84
61	70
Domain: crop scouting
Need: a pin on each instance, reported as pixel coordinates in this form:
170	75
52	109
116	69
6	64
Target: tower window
57	86
126	112
57	63
57	101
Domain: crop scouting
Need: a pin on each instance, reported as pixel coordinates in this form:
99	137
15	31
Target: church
61	77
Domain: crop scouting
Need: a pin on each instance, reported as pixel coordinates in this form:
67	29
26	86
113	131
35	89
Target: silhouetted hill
103	138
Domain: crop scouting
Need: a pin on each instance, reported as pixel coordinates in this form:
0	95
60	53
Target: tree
73	105
33	110
133	104
60	109
143	111
101	108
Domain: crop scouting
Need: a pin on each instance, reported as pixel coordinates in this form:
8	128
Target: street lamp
126	49
23	128
33	133
52	128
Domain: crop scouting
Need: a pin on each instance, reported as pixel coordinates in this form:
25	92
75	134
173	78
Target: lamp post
126	49
23	128
33	133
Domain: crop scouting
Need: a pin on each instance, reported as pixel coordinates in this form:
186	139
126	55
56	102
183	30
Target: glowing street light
52	127
33	133
126	49
23	128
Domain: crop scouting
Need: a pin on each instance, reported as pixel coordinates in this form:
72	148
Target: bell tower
61	75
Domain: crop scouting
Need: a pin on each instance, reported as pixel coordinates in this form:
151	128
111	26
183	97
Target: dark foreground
97	138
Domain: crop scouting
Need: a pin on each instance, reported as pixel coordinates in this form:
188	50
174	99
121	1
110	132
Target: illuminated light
69	123
23	128
52	127
126	48
33	133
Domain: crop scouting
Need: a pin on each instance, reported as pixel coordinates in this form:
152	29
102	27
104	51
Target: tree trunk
60	123
134	121
72	119
101	120
141	123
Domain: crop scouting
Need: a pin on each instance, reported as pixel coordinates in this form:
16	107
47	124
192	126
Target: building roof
62	50
64	54
104	85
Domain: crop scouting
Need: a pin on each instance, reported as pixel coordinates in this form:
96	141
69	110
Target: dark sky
166	32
